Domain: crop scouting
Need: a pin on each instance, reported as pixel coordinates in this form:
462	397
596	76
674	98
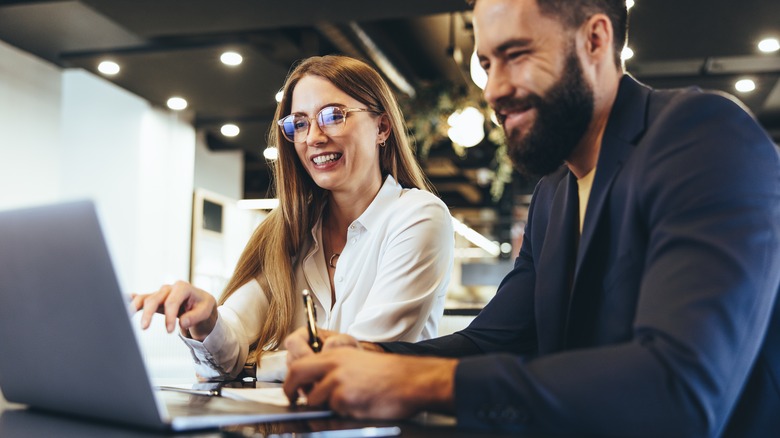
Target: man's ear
598	38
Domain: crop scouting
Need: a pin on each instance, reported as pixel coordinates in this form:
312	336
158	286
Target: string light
467	127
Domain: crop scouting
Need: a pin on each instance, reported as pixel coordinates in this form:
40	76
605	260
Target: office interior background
167	180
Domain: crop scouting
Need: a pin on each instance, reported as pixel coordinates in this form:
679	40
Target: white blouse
390	281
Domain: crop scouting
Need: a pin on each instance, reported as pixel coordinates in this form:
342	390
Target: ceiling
172	47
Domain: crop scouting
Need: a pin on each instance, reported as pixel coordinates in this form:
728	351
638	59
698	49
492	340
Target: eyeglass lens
330	119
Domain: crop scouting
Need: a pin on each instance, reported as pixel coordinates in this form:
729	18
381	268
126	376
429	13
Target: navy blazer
657	322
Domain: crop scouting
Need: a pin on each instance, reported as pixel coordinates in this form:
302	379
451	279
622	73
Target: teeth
322	159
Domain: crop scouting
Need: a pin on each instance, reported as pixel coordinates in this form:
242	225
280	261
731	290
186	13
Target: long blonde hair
273	249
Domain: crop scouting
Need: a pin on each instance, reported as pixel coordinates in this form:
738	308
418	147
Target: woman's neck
343	208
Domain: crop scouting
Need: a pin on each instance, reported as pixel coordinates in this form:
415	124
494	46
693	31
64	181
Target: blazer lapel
624	128
613	153
556	265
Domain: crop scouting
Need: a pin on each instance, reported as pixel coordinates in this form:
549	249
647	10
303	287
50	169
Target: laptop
67	343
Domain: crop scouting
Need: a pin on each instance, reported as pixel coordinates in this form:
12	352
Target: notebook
66	340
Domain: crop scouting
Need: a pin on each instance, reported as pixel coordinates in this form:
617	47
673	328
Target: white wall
30	94
219	172
137	163
69	134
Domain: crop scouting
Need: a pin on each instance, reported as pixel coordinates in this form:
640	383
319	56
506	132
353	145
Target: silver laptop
66	340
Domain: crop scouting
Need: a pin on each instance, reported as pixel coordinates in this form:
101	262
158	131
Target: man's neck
586	154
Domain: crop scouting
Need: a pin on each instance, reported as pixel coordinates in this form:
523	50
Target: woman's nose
315	137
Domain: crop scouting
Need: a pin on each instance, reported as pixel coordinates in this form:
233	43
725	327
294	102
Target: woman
355	225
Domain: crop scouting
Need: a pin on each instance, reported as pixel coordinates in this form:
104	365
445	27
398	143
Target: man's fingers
335	388
297	345
305	372
339	341
320	393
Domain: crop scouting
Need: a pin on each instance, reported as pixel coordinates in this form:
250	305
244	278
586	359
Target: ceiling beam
725	65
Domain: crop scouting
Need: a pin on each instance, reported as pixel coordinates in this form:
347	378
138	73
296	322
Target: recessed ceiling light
629	4
229	130
108	68
627	53
745	85
769	45
231	58
177	103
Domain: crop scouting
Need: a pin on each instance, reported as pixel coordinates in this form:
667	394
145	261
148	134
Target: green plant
426	117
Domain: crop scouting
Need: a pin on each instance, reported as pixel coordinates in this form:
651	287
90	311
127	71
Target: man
650	312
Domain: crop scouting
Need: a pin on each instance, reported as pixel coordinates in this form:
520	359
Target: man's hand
297	343
366	384
195	308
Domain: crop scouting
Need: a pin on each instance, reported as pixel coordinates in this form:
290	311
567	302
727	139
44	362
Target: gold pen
311	322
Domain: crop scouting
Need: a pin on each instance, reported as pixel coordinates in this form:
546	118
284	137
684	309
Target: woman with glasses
356	226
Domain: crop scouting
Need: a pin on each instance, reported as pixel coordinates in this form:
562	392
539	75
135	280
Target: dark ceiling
172	47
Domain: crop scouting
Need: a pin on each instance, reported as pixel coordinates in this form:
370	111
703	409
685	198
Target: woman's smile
325	159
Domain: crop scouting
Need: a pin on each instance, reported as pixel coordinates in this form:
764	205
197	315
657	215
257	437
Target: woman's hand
195	308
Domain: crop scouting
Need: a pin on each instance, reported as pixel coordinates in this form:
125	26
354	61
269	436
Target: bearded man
643	299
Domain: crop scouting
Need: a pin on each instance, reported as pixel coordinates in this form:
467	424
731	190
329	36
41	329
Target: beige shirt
584	185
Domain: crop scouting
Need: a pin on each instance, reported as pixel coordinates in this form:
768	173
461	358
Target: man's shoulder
545	190
548	184
695	102
703	140
714	123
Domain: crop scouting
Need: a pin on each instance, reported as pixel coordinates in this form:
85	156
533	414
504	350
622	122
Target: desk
18	422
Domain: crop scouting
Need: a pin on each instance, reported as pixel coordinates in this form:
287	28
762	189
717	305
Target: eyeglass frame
345	110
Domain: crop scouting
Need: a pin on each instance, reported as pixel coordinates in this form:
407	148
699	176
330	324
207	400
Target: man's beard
562	117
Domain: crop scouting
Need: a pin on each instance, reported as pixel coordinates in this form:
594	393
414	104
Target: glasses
330	119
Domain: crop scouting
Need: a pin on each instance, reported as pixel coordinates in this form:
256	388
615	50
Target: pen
210	392
311	322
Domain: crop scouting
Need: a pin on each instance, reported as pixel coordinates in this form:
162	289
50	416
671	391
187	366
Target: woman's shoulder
415	206
399	207
249	295
418	196
248	290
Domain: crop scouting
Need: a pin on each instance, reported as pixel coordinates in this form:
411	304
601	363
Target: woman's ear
383	129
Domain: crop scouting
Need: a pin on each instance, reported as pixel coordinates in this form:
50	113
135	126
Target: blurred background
159	110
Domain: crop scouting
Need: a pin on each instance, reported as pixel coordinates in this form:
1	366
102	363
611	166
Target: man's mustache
507	105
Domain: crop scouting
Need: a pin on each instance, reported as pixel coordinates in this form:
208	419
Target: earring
383	144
